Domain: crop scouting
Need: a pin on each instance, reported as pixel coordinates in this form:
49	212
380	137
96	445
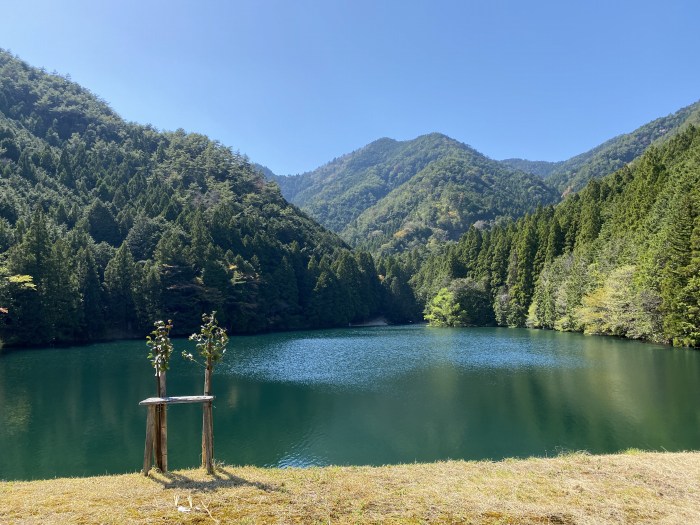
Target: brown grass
572	489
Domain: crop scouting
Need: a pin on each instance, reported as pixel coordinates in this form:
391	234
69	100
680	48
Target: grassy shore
634	487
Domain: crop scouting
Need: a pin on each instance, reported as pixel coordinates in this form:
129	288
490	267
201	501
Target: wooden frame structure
157	431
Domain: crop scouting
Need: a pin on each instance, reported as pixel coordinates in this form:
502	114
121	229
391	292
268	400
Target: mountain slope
393	194
106	226
541	168
621	257
573	174
338	192
443	200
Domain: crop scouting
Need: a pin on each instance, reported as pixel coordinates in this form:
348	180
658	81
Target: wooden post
208	424
156	425
148	449
163	463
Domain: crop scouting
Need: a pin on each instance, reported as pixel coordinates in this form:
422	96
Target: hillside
338	192
392	195
573	174
443	200
621	257
106	226
541	168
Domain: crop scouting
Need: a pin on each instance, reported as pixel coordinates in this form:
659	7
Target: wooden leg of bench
164	438
208	439
150	432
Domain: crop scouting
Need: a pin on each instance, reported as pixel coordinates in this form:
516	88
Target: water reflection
356	396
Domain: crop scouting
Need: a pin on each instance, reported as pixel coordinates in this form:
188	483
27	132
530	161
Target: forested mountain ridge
342	189
443	200
391	196
541	168
572	174
107	225
621	257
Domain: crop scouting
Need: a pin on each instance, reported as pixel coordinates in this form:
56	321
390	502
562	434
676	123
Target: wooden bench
157	439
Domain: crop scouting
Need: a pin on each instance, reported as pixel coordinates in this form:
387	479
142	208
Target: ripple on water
366	357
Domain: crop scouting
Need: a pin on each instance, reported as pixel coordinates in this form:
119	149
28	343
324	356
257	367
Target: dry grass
572	489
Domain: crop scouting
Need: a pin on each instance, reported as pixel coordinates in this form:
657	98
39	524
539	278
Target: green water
353	396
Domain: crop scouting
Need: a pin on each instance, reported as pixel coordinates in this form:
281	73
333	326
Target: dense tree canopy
391	196
106	226
619	258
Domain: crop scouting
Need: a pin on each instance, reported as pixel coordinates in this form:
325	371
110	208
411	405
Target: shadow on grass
222	478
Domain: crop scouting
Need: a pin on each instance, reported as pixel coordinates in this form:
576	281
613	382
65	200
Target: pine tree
688	300
673	276
32	257
119	283
91	315
520	274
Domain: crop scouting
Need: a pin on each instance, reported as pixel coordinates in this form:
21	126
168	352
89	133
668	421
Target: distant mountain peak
381	194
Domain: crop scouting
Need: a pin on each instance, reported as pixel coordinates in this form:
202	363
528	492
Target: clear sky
295	83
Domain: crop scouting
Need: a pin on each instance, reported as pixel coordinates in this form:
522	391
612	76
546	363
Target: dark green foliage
102	225
118	225
622	257
688	303
540	168
400	304
121	284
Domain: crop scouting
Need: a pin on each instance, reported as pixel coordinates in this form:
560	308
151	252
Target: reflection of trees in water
15	409
520	393
72	411
626	395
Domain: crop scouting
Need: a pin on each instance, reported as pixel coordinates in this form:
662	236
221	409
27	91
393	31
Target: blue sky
295	83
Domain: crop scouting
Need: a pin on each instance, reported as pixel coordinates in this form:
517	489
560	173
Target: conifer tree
119	283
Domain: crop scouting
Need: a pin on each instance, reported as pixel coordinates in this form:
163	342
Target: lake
355	396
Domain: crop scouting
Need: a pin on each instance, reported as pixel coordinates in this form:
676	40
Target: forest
621	258
392	196
107	226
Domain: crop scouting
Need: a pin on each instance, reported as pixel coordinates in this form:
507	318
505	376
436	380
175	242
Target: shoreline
630	487
379	322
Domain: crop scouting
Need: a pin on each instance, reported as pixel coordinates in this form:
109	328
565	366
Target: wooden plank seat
157	430
175	400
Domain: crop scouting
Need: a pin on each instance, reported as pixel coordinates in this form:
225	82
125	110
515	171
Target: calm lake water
352	397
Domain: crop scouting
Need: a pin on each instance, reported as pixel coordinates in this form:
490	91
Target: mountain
620	257
341	190
106	226
264	171
573	174
392	195
541	168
